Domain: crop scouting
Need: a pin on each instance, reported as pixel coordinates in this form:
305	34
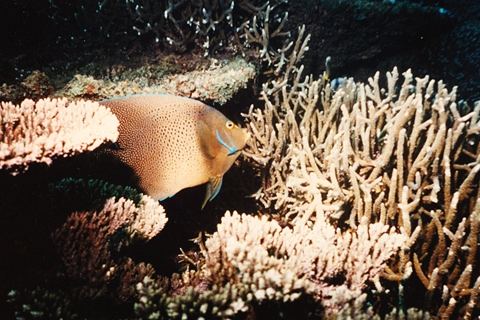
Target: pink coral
39	131
278	263
85	243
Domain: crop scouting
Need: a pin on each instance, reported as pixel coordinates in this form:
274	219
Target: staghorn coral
88	240
211	25
265	31
39	131
406	156
347	167
331	154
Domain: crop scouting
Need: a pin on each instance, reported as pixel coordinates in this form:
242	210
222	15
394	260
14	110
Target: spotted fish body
173	143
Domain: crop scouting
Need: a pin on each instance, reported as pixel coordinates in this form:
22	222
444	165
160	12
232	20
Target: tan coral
149	218
406	156
251	259
39	131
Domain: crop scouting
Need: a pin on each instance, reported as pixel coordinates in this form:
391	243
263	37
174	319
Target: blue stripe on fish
231	150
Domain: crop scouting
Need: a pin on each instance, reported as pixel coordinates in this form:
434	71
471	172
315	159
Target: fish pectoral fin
213	188
208	141
114	146
117	146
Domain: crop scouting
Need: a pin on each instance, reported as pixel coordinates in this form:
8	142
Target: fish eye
230	125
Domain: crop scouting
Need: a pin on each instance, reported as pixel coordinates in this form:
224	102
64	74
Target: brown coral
87	239
39	131
37	85
218	81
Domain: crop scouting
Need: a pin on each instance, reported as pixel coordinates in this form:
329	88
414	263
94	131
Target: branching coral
211	25
406	156
38	132
41	303
250	260
367	186
71	194
191	297
358	172
87	241
281	263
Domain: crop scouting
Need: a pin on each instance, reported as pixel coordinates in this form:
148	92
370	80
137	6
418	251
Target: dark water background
59	38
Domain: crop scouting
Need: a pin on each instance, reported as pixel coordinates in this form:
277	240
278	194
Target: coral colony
39	131
367	195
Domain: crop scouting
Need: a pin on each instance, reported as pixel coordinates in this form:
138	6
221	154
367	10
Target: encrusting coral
39	131
87	241
218	81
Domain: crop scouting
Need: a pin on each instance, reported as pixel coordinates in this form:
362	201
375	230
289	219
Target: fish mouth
237	151
248	135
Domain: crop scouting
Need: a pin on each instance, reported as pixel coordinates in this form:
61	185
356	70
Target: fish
174	142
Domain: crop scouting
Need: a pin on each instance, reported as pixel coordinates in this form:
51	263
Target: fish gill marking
231	150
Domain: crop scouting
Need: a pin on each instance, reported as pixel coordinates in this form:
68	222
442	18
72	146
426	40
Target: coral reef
37	85
72	194
217	82
87	240
211	25
259	260
280	263
41	303
364	36
39	131
192	298
406	156
367	194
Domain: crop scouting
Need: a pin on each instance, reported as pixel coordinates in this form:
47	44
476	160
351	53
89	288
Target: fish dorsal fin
213	188
208	142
